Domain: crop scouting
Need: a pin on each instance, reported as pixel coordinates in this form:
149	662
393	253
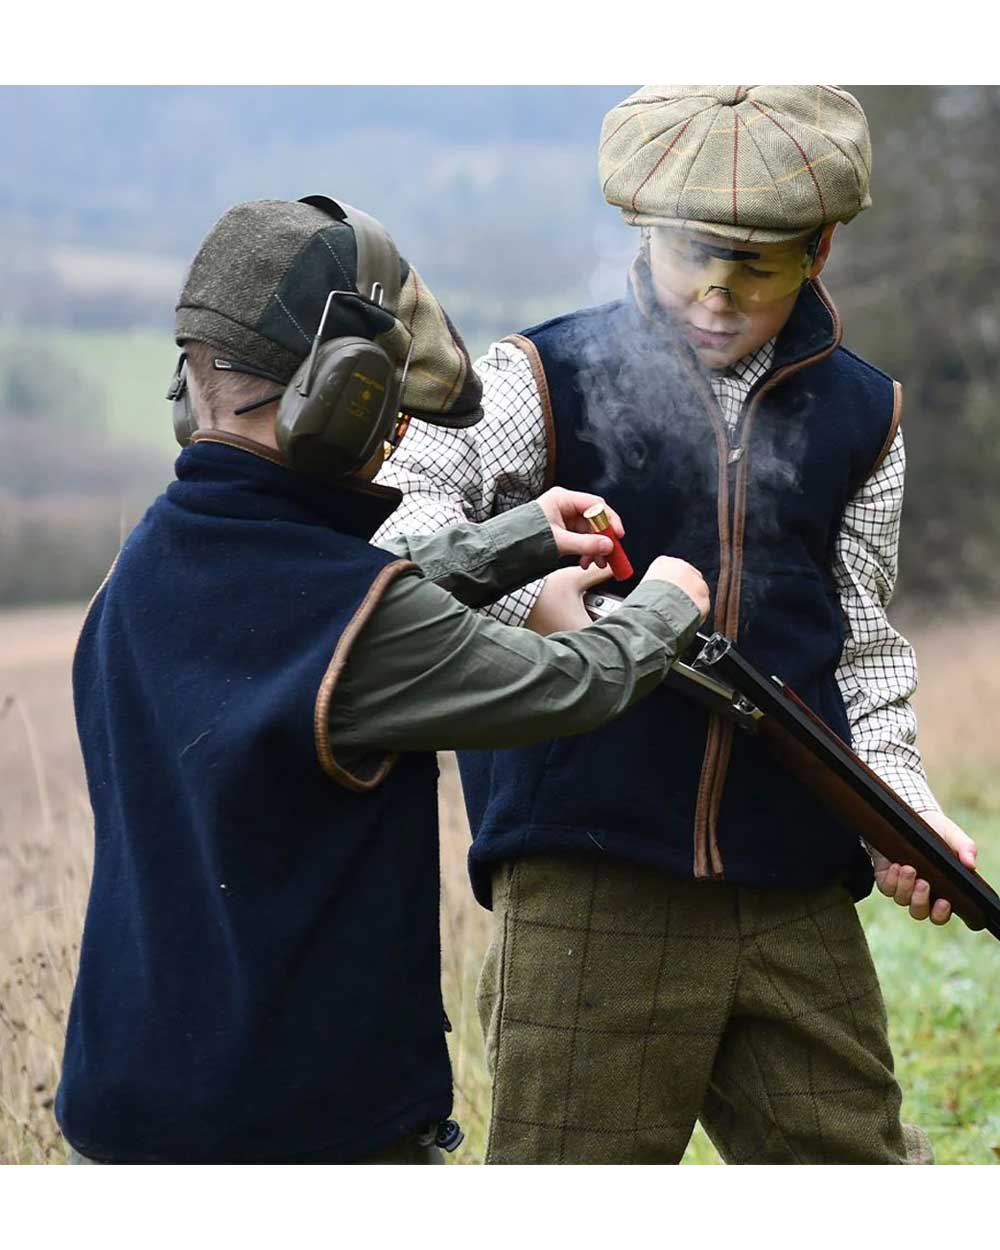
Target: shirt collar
749	369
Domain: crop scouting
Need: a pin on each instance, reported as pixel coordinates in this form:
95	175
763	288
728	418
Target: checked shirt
457	475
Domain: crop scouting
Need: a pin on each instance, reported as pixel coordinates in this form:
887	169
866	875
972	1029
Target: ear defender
341	405
343	402
185	422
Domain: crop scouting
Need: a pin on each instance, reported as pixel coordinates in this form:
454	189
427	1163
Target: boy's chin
718	357
716	350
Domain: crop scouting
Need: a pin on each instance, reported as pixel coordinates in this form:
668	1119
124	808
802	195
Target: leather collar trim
227	439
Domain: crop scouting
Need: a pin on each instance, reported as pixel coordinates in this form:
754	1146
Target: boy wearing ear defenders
259	693
675	938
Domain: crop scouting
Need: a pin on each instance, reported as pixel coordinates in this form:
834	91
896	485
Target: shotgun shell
598	521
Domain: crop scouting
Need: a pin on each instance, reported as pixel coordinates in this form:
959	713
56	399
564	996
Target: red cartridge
598	521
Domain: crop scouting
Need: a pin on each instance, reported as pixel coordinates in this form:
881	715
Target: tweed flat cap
754	163
257	288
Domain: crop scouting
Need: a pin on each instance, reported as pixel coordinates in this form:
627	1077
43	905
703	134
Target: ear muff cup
339	408
185	423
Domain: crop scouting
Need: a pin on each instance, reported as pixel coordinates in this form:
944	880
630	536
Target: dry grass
45	858
45	855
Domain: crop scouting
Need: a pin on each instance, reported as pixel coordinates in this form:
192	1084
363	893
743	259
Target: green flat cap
257	288
755	163
258	284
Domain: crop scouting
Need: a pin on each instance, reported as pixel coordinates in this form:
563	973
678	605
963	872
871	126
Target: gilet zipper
734	461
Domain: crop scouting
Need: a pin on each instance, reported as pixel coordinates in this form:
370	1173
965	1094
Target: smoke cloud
644	397
640	397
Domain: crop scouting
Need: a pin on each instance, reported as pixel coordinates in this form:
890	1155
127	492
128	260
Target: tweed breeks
620	1006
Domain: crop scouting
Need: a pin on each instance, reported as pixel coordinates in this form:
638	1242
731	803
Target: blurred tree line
493	194
69	490
916	279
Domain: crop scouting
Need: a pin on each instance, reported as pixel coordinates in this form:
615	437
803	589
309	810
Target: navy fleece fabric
630	790
259	974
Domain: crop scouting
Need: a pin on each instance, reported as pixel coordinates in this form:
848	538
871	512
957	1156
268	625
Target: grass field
128	369
941	985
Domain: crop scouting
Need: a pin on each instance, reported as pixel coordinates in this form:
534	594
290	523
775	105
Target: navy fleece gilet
260	972
634	789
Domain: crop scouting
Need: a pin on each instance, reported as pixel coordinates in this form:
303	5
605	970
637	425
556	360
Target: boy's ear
823	250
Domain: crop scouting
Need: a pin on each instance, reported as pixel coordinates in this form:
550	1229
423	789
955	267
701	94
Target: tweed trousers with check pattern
620	1005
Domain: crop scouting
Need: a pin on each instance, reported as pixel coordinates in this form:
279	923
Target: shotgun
715	675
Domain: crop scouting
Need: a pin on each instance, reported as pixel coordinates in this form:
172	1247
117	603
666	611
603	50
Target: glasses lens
693	268
767	281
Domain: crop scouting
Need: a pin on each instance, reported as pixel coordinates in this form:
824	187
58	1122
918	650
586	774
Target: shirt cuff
672	605
515	608
522	543
480	561
913	788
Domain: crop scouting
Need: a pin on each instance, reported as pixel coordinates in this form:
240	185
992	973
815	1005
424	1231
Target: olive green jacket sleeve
478	563
427	673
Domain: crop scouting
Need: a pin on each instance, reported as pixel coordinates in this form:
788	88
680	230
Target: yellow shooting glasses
694	267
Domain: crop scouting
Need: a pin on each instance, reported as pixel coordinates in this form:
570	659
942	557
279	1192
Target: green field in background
129	369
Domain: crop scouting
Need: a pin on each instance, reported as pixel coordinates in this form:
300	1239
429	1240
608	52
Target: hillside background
105	193
492	192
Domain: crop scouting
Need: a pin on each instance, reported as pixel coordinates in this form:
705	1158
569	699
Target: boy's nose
717	298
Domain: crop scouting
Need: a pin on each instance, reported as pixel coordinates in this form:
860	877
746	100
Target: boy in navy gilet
259	694
676	937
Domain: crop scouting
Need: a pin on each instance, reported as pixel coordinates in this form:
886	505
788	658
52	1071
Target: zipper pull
735	454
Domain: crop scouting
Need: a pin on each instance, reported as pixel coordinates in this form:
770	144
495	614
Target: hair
219	392
813	242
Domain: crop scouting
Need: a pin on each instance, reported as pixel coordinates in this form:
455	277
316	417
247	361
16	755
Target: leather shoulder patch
897	416
541	382
368	769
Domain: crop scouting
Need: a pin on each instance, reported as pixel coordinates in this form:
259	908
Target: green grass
129	370
942	992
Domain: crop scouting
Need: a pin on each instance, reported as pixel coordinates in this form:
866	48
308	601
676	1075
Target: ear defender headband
342	403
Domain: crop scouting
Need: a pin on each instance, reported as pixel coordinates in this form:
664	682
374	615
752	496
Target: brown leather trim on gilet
708	861
226	438
324	697
541	382
356	485
890	438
